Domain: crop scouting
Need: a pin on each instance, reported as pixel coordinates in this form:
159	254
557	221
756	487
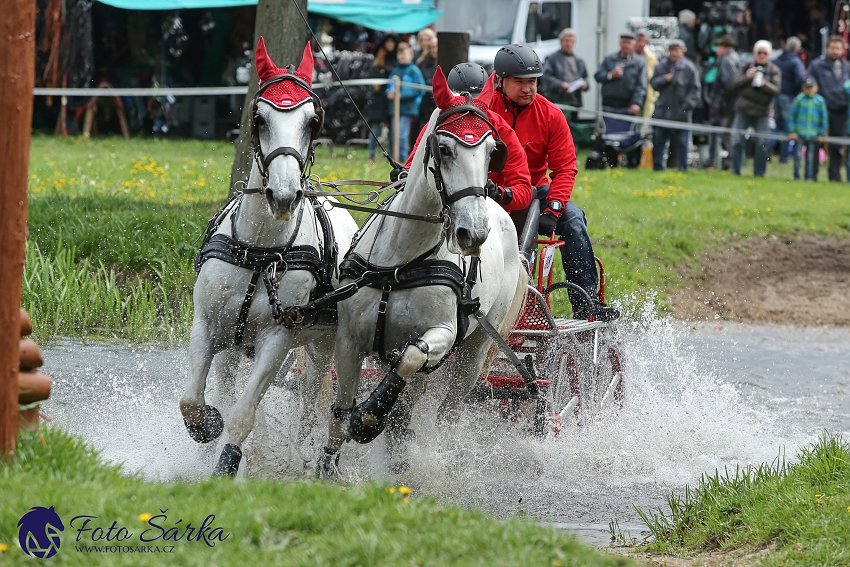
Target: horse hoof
209	429
327	466
228	462
365	427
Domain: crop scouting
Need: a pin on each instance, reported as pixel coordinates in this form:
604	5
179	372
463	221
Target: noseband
263	161
432	152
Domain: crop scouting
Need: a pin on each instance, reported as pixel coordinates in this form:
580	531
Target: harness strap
378	341
458	195
284	151
246	307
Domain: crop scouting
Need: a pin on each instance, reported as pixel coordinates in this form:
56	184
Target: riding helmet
467	77
516	60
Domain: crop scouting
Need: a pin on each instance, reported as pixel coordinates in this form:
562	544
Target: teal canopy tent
402	16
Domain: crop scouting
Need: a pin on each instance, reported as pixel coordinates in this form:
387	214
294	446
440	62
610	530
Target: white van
494	23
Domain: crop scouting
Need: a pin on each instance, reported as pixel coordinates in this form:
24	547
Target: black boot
597	309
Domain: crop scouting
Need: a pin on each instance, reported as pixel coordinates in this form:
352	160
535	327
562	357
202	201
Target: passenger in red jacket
511	188
544	134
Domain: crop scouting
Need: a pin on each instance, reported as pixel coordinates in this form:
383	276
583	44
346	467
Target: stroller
617	139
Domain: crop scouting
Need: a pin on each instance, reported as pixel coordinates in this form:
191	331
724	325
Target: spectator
427	63
410	97
677	81
793	75
722	99
623	79
560	70
377	106
830	71
756	83
688	34
650	62
424	39
808	120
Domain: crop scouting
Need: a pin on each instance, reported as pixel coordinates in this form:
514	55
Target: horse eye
445	151
259	120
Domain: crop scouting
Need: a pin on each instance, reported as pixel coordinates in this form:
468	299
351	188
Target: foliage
801	509
269	522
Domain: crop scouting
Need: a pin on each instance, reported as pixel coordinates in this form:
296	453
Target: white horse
411	278
268	247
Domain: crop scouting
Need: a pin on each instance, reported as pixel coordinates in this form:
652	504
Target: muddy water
698	399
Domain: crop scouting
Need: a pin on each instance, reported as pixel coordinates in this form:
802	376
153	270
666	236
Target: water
698	399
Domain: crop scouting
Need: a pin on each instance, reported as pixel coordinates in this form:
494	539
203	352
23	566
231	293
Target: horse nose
469	239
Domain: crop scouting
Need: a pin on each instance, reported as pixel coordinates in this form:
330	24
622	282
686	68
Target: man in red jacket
513	188
544	134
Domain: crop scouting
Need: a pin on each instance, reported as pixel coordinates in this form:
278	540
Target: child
410	96
807	124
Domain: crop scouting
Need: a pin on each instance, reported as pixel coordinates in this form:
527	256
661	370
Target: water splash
684	415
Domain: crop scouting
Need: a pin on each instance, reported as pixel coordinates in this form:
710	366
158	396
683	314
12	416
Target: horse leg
399	433
469	361
368	419
271	349
203	422
224	368
348	380
320	353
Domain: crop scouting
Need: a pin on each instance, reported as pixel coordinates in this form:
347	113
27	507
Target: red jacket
515	173
543	132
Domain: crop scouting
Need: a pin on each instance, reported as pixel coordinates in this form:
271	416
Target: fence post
17	79
396	115
453	49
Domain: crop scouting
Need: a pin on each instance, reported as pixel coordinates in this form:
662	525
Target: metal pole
396	115
17	79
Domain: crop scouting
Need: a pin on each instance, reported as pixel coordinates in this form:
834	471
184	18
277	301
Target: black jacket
830	87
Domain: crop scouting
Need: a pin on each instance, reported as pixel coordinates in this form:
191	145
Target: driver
544	134
511	188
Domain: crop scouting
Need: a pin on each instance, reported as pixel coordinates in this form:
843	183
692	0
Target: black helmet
516	60
468	77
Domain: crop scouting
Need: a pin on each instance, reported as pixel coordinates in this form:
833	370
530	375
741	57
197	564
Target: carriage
577	364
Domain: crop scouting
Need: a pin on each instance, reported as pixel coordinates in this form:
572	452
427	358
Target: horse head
286	116
464	146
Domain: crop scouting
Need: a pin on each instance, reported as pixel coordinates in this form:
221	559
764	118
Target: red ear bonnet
284	95
467	127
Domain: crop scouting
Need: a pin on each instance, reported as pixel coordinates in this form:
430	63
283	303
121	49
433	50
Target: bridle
263	161
498	157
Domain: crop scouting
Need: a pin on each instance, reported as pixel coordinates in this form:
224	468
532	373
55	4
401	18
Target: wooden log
17	79
31	356
33	386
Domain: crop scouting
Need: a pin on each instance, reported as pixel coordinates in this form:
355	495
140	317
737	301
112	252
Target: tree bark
286	34
17	79
453	49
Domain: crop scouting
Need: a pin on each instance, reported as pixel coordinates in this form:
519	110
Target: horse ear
486	94
266	69
305	69
442	94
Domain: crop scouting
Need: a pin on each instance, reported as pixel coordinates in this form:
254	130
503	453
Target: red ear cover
266	69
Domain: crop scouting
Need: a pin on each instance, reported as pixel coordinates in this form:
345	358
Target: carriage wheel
562	397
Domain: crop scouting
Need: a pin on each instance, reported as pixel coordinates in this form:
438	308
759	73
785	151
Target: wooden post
453	49
17	79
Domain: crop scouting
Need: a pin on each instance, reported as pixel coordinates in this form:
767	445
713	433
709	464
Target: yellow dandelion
144	517
406	500
405	490
818	495
3	548
391	490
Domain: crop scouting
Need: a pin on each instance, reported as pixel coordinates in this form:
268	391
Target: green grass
801	510
130	212
269	522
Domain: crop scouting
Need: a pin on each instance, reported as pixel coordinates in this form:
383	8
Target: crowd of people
737	92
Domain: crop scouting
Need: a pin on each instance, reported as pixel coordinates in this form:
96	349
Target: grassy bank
126	214
801	511
268	522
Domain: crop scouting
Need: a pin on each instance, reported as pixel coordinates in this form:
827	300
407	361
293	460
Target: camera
758	78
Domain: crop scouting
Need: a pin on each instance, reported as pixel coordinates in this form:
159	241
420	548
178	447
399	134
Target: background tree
285	33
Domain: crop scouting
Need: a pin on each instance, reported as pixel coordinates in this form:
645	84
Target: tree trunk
454	49
17	79
286	34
